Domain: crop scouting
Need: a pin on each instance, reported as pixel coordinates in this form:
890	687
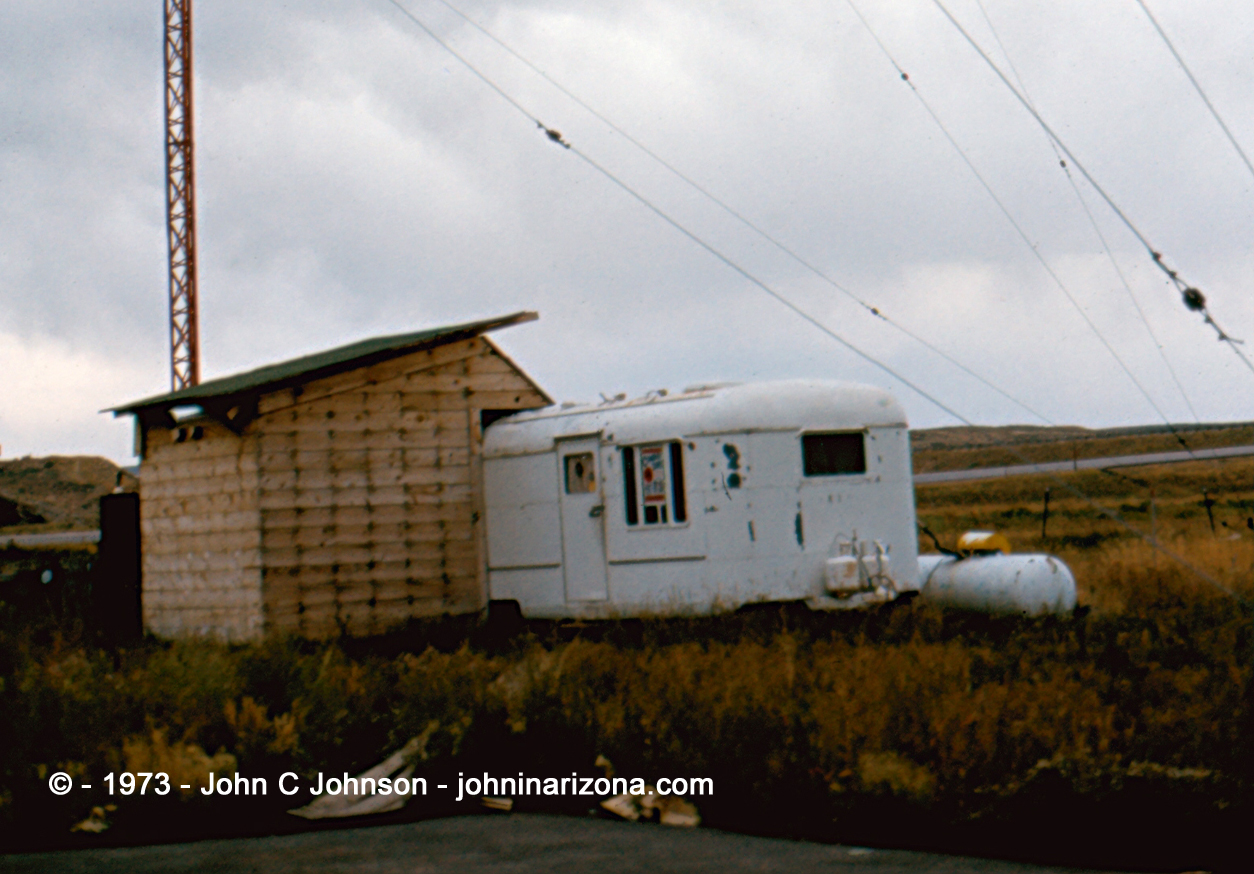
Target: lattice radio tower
181	196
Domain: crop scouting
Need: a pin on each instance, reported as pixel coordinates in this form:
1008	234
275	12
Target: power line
557	138
905	77
1193	298
1110	514
1185	67
763	286
877	312
1110	255
471	67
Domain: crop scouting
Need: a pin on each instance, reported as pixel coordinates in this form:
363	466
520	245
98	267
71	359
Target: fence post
1154	525
1045	515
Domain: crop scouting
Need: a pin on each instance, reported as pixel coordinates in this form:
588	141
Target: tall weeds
950	715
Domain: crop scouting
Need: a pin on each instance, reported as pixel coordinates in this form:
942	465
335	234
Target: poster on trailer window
653	475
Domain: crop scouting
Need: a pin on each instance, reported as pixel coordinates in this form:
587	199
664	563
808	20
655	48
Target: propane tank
1034	585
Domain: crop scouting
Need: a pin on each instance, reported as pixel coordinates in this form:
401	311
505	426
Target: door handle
597	510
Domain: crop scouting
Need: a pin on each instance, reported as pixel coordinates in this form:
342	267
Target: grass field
1121	737
1103	522
959	448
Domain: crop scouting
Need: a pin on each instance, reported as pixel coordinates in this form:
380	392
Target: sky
354	179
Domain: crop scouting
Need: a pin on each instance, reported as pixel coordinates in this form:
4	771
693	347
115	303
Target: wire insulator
1194	299
554	135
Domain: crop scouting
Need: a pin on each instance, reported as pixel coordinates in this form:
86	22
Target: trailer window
581	476
832	454
653	484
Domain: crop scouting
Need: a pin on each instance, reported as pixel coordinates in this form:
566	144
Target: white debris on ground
399	765
97	821
651	807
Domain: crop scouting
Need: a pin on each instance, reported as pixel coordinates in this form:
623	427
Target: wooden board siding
369	490
201	533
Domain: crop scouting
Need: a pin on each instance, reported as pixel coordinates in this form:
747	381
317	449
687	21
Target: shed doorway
582	491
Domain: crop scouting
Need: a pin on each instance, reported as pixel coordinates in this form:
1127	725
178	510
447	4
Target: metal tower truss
181	195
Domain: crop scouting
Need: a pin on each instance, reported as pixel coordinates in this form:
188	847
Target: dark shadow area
547	698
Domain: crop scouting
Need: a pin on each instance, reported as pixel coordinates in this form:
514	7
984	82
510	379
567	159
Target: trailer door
583	519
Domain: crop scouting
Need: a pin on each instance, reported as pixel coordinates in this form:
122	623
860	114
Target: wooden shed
338	493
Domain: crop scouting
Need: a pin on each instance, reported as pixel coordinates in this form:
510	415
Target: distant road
71	538
515	844
949	476
56	538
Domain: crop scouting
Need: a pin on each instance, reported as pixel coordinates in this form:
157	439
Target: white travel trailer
702	501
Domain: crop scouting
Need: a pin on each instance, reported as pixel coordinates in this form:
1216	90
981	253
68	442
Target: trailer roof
783	405
322	364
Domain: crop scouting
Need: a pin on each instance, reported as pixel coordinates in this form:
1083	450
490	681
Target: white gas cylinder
1034	585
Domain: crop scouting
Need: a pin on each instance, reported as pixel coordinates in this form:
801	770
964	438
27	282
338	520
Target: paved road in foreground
518	844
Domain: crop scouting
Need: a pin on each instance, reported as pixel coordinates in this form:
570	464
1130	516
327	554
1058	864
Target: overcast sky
354	179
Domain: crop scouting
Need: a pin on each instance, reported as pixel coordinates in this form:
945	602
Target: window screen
830	454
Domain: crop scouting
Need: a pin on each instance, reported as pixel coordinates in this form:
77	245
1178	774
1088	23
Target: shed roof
321	364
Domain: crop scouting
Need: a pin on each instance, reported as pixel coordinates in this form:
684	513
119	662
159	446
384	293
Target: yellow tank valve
977	542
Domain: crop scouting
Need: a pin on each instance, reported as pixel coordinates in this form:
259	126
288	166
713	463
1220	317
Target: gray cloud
356	179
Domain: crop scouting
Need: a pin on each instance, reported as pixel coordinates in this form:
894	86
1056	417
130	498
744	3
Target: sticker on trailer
653	474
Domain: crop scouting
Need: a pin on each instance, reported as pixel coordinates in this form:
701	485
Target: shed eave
307	368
